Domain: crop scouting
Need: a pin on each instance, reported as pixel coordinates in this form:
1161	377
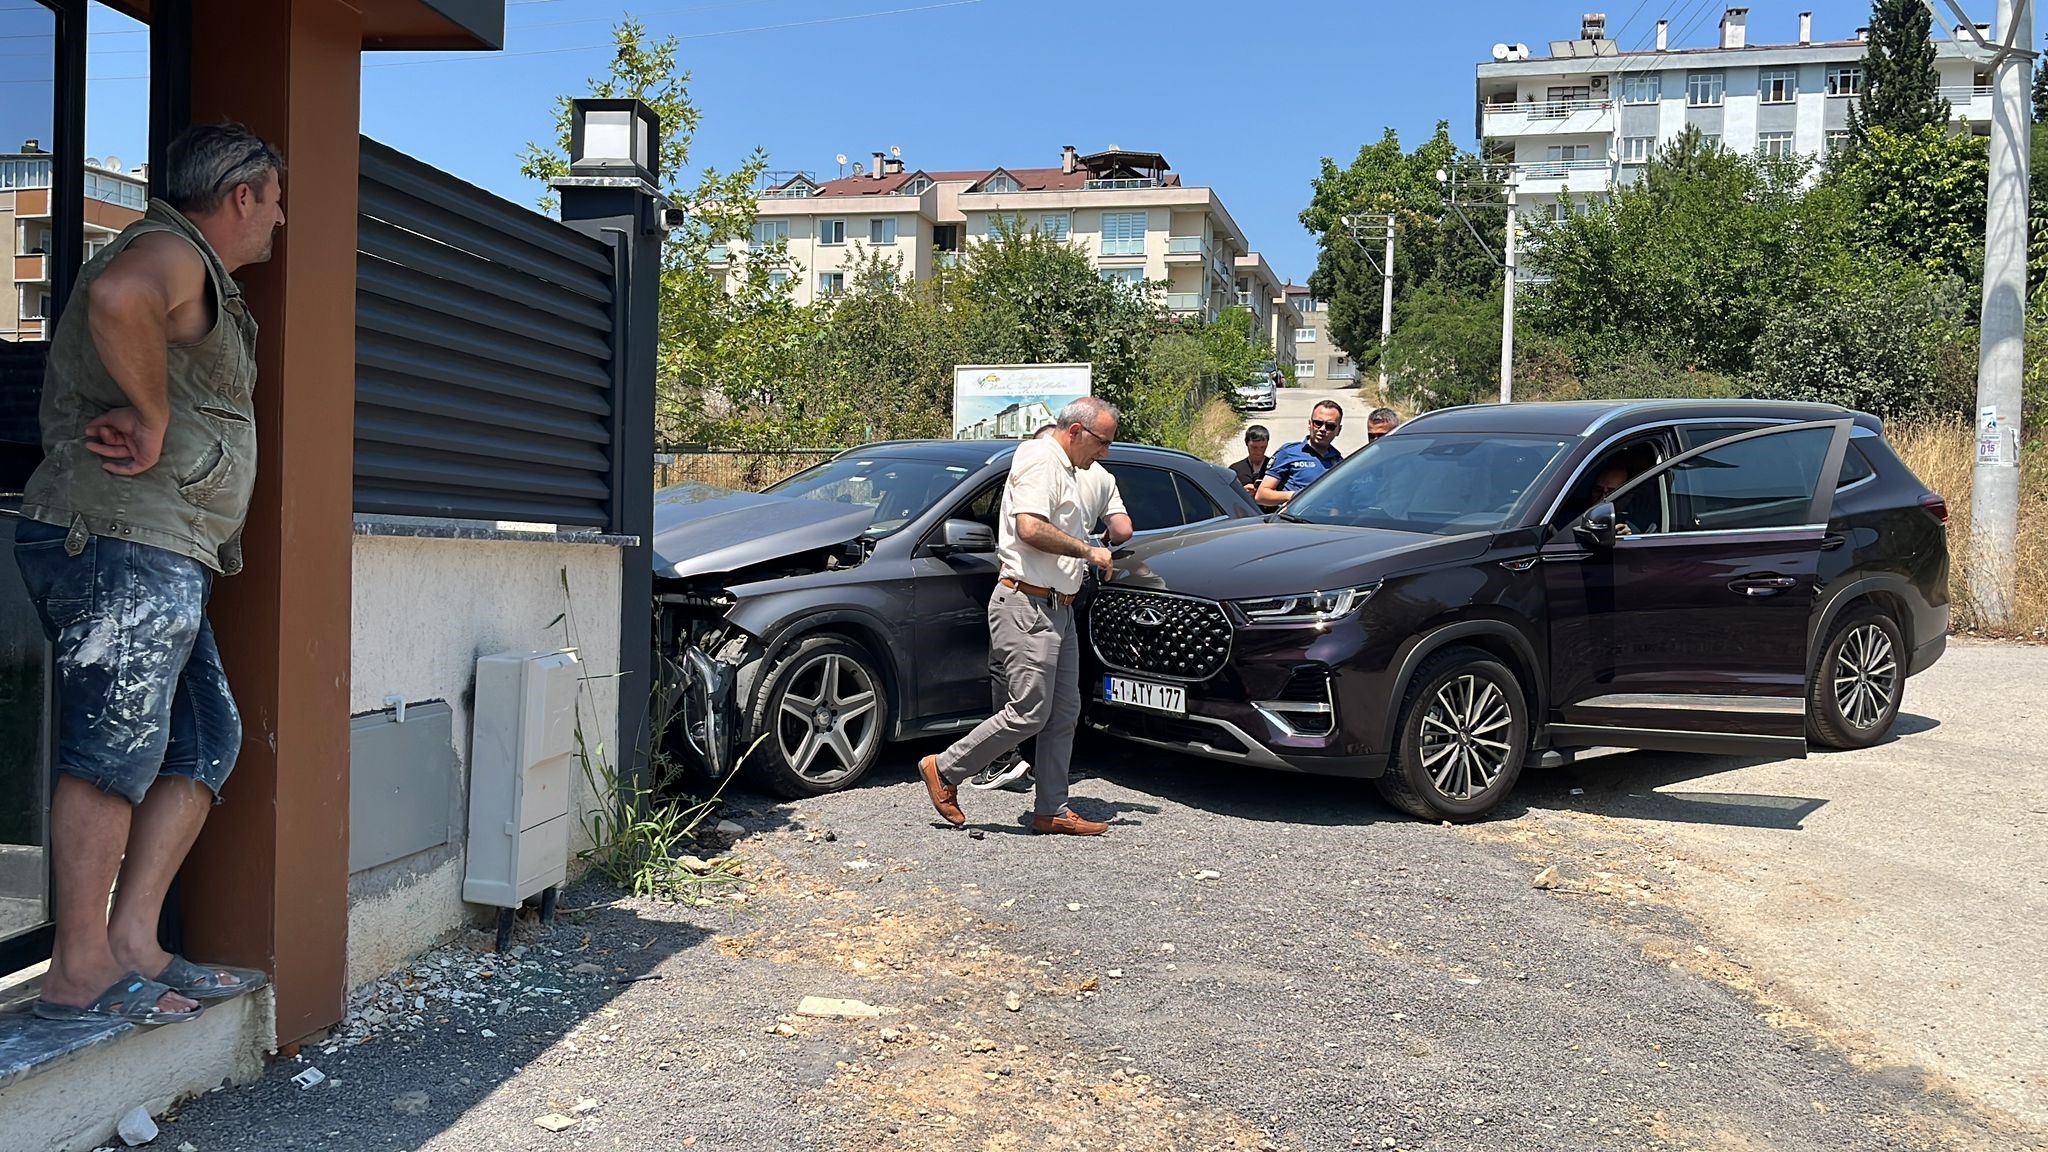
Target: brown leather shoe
1068	824
945	797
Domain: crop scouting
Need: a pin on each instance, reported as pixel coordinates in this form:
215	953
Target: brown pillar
267	884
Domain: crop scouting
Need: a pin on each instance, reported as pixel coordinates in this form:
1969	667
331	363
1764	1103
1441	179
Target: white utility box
521	771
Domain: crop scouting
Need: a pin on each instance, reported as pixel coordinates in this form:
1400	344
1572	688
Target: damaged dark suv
1508	584
847	606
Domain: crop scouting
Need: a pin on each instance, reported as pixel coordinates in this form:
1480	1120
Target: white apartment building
1591	114
1131	213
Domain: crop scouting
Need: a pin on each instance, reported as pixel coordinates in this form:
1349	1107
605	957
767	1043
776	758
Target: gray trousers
1033	651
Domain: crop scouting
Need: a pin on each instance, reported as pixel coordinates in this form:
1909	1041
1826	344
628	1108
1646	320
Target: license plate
1168	698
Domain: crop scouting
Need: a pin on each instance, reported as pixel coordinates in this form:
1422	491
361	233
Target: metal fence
741	469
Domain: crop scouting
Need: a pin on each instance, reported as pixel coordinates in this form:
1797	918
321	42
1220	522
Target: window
831	283
1421	481
1305	370
1560	210
1148	495
24	174
1195	504
1856	467
1837	140
1704	89
1710	141
1304	335
1764	482
1000	182
796	191
768	232
916	185
946	237
1561	100
1132	277
777	279
999	222
1056	224
1777	85
1845	79
1637	149
1775	145
882	230
1123	233
831	231
1641	90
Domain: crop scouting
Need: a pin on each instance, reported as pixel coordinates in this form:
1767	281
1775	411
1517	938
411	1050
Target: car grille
1153	635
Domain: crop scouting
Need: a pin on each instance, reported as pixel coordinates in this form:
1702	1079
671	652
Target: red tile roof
1028	179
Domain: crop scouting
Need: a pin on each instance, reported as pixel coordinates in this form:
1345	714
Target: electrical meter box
522	768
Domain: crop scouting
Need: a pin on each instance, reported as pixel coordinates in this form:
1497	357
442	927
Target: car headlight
1306	607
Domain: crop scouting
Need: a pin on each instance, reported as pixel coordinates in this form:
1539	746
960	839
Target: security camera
673	218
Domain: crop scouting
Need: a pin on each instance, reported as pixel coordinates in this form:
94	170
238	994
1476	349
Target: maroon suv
1505	584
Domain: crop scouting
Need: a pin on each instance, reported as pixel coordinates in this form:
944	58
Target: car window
1148	496
985	507
1691	436
1418	481
1855	467
895	491
1765	482
1614	468
1195	503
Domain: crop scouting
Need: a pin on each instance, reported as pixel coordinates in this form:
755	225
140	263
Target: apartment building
1127	209
1318	362
1590	114
114	199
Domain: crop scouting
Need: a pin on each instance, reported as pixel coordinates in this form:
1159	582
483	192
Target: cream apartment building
1128	210
114	199
1594	111
1318	362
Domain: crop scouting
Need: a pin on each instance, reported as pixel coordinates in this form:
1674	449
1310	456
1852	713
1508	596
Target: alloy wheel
829	721
1866	676
1462	746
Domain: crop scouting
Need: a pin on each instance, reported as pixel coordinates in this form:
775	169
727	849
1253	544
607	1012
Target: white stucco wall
424	610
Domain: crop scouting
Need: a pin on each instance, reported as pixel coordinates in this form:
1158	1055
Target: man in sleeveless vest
149	442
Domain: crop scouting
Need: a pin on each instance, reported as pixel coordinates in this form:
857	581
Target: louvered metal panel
485	354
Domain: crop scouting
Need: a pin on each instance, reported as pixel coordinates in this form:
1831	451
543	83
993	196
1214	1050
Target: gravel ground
1245	961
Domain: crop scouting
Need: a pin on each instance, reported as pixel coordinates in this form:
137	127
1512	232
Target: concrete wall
424	610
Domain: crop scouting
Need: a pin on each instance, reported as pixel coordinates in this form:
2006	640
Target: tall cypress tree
1900	88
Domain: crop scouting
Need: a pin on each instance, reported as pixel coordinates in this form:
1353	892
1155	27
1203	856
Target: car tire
819	718
1464	721
1853	696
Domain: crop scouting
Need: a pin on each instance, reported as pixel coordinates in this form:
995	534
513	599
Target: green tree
1433	245
1921	197
1445	350
1882	344
1901	91
883	358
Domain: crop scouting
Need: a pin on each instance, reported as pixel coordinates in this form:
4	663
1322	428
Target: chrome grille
1175	637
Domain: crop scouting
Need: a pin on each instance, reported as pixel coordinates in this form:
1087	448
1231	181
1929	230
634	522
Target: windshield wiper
1290	517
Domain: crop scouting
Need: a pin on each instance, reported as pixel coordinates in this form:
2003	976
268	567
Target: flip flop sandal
132	998
208	981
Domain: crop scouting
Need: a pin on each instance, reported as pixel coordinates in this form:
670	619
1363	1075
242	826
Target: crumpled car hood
699	529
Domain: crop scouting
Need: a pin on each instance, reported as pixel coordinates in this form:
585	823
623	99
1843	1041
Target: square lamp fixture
614	138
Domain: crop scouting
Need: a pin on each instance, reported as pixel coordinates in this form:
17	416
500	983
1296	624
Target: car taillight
1936	506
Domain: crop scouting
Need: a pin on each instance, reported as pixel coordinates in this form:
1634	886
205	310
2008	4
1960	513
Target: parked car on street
1506	584
1258	393
847	606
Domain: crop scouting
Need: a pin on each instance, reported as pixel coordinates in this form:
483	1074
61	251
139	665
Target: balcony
1123	182
1969	102
1556	176
1187	301
1548	118
1185	247
31	269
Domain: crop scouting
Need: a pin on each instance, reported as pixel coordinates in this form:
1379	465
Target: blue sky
1243	97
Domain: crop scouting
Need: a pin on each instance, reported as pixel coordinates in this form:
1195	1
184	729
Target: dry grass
1943	456
1215	431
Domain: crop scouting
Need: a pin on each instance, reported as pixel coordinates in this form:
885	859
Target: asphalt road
1832	954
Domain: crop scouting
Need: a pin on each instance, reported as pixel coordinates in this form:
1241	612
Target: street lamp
614	138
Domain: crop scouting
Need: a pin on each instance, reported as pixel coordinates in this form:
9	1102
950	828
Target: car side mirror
1596	527
964	536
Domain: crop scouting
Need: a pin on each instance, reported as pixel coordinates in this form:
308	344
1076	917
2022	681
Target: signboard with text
1013	401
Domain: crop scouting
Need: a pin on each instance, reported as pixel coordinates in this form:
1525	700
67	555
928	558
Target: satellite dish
1500	52
841	158
896	151
92	163
113	163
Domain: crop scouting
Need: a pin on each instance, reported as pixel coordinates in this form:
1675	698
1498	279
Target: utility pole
1507	306
1356	227
2001	363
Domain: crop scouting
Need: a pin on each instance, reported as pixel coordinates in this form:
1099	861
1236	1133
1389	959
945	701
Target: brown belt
1063	599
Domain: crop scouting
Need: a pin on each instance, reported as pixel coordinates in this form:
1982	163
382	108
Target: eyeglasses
1106	440
1329	425
261	151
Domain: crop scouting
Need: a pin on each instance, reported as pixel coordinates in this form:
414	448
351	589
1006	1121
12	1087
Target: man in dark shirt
1297	465
1252	468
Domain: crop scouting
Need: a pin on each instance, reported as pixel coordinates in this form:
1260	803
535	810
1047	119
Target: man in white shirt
1043	548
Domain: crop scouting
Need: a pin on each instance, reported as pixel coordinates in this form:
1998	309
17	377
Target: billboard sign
1012	401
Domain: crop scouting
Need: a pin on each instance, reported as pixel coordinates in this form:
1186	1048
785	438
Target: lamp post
611	195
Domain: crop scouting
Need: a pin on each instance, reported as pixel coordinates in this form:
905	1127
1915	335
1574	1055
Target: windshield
894	491
1446	483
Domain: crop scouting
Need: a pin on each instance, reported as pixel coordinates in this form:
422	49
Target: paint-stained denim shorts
140	690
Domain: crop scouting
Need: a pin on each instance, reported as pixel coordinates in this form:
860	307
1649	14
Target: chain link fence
746	470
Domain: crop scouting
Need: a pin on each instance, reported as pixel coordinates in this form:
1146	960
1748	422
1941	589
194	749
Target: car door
949	624
1690	632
